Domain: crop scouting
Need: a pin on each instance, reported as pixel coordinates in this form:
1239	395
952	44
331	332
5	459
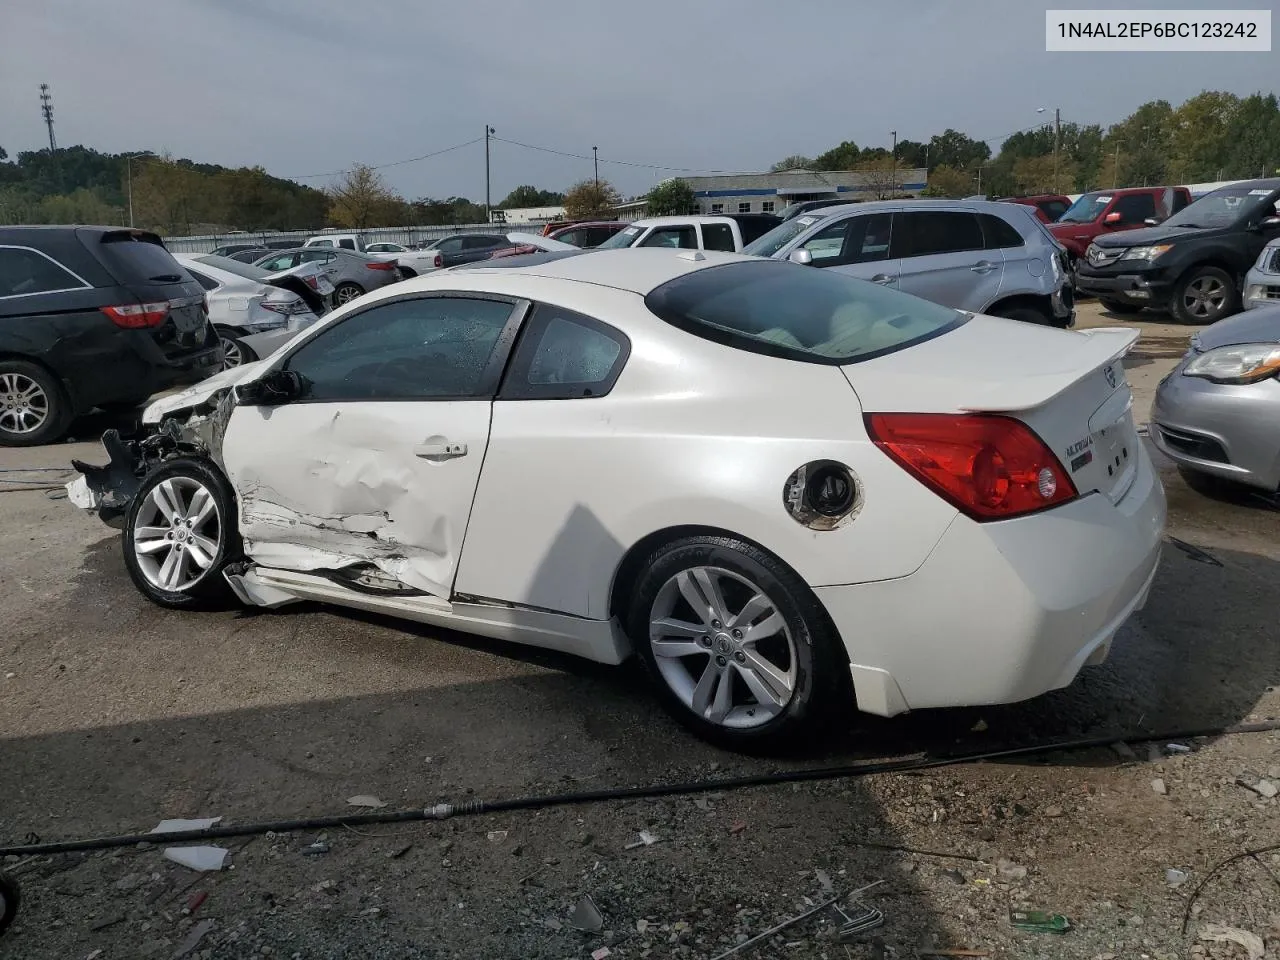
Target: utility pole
595	160
1116	185
46	110
893	177
488	132
128	166
1057	143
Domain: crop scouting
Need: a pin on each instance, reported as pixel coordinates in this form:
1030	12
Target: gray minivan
975	255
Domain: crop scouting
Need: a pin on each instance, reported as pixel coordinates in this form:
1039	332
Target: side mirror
276	388
1269	223
1111	219
802	257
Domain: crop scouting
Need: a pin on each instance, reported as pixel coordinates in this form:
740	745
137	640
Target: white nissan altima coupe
780	487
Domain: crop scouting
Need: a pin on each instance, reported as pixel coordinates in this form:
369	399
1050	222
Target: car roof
676	221
638	270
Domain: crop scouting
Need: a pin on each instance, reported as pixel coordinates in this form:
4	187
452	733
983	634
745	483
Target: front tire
179	534
1205	295
33	408
739	649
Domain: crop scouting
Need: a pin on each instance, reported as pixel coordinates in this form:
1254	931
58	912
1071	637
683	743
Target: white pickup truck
728	233
412	263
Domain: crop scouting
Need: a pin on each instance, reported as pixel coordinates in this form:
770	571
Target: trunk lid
143	267
1068	386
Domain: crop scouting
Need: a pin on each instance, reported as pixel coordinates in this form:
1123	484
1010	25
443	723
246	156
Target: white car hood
193	396
987	364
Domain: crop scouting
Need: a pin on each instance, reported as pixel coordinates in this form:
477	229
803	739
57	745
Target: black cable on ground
444	811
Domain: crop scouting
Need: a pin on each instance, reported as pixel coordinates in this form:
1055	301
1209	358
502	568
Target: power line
625	163
393	163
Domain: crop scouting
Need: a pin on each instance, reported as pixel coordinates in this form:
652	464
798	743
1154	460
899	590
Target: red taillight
381	265
138	316
313	283
990	467
439	261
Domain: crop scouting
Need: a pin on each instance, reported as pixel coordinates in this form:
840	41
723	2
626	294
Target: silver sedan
1217	415
351	273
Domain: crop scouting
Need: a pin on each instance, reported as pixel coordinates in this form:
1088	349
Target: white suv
726	233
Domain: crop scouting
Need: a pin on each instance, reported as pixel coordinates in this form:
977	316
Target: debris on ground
497	836
174	826
1175	877
737	827
601	953
195	901
586	916
364	800
1217	933
1123	750
197	858
399	851
1010	870
1176	749
824	879
319	848
864	918
1158	787
963	952
1037	921
647	839
780	926
193	939
1265	788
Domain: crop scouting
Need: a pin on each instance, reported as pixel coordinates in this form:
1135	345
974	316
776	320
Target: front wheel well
1215	262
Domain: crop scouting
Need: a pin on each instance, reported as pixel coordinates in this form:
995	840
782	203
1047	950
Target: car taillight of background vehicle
288	307
312	282
380	265
438	262
138	316
990	467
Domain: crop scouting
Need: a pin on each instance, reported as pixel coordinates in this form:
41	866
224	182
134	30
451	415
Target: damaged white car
784	489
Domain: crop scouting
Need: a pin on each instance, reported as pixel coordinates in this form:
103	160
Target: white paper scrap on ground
175	826
197	858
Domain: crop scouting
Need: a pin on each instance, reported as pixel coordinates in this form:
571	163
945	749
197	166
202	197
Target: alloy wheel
232	355
24	406
1205	297
177	533
723	647
345	294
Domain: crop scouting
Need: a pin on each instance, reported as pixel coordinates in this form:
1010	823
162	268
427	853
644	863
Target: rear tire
179	533
235	352
1204	295
1119	306
1025	315
34	410
747	694
345	292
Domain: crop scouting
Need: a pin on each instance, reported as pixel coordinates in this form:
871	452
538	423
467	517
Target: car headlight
1240	363
1147	253
1264	258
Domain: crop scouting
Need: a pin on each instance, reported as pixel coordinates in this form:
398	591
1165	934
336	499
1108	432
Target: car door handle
883	278
983	266
439	451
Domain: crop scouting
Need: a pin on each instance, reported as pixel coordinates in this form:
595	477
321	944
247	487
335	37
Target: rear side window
24	272
205	281
563	355
133	259
926	233
717	236
321	243
347	244
753	228
783	310
1180	200
576	237
999	234
684	238
1052	209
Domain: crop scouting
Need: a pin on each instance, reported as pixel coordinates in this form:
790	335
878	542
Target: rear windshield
246	270
623	238
135	259
800	313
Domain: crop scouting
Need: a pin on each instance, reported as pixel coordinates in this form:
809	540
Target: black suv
1194	263
93	317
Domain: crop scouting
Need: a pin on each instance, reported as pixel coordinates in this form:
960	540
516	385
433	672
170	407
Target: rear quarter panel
693	434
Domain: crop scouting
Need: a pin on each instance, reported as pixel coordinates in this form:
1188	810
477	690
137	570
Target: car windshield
246	270
1086	209
799	313
777	238
623	238
1225	207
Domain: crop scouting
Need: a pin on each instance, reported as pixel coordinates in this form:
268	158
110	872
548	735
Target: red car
587	234
1109	211
1049	206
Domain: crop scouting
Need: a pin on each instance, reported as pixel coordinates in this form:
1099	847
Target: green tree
949	182
794	162
1198	135
588	200
1145	139
951	148
670	198
843	157
360	198
530	196
1253	138
912	154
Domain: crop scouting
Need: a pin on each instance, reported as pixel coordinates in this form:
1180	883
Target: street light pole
893	177
488	132
595	160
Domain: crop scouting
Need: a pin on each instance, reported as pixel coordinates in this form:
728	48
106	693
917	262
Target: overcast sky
312	86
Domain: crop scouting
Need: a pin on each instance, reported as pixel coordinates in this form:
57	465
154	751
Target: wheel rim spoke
177	534
202	551
666	647
167	499
705	690
199	508
723	701
768	627
754	608
768	684
172	568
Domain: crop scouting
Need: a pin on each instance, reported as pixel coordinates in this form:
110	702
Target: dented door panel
328	486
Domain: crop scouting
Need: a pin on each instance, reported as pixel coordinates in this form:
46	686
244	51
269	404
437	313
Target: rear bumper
1003	612
1226	430
1136	288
